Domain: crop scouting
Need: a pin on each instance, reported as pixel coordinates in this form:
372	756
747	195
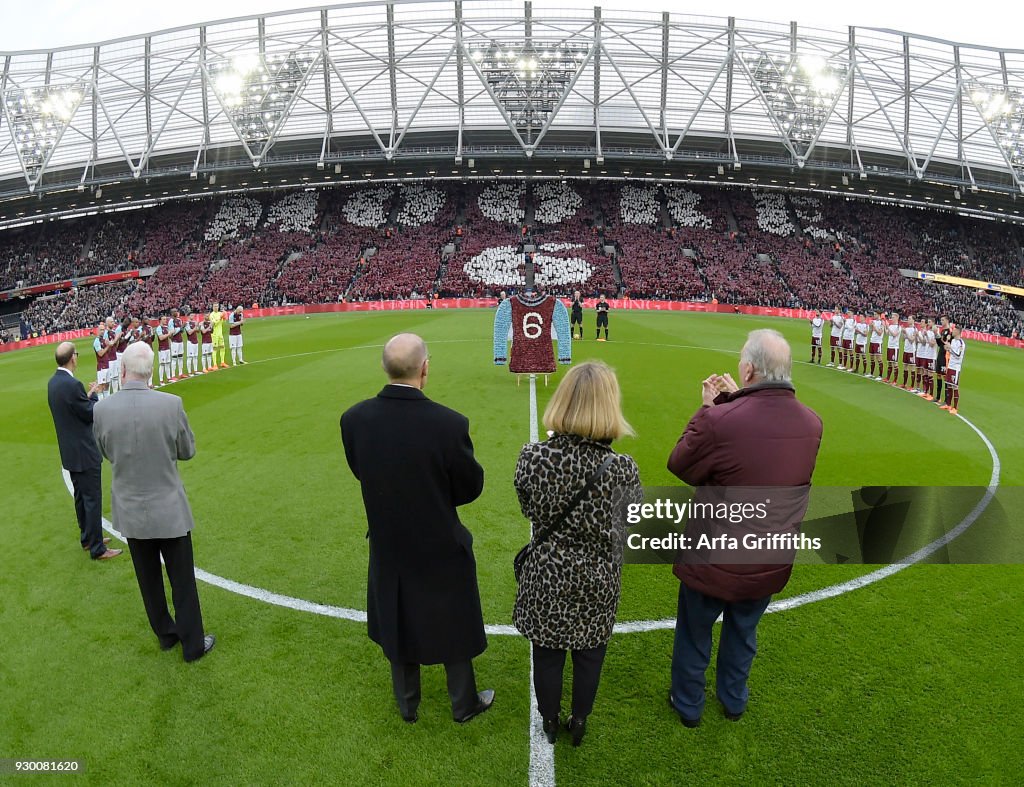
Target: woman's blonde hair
588	403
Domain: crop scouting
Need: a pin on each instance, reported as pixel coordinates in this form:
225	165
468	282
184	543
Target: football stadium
223	231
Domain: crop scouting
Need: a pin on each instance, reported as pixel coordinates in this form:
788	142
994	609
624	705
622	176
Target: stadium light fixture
37	118
257	90
1002	109
800	91
528	79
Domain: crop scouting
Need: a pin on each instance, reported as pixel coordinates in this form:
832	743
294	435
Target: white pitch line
542	753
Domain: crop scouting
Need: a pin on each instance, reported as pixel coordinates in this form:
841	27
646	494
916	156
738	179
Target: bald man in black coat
414	461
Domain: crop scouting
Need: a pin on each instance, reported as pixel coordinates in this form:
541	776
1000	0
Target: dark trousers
89	508
187	624
940	376
548	666
691	654
405	679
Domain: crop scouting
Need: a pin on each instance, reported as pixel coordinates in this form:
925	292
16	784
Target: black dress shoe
411	718
208	642
690	723
577	728
551	729
485	700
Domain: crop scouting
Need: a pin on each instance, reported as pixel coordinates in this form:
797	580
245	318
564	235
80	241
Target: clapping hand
715	385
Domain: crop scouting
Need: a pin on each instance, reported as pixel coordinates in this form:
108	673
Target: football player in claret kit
926	360
123	332
206	332
163	339
235	322
817	325
177	327
849	328
861	331
893	331
909	354
191	346
101	347
835	336
877	327
954	363
113	338
576	314
602	318
146	336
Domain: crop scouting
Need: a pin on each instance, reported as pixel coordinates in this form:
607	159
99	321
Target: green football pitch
911	679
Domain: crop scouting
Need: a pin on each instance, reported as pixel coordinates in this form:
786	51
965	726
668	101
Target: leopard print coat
569	589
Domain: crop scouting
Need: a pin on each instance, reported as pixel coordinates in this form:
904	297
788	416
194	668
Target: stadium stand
677	241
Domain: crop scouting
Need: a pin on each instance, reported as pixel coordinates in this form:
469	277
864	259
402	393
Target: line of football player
932	354
186	346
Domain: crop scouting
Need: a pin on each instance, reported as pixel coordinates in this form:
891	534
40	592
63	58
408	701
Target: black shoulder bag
519	561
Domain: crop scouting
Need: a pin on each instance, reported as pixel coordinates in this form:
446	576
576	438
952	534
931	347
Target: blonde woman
571	488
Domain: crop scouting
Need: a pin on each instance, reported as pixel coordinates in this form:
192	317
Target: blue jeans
691	653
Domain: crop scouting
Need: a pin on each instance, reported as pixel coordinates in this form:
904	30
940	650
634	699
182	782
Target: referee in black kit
943	337
576	314
602	318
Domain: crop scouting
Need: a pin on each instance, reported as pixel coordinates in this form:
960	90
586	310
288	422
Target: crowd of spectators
773	213
295	212
324	272
973	309
586	243
503	202
684	206
115	244
420	205
250	268
639	205
80	307
369	207
555	202
237	217
840	252
653	264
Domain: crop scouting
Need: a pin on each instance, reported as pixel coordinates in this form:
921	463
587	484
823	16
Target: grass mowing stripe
279	599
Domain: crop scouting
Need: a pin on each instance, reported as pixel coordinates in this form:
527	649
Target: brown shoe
109	554
86	546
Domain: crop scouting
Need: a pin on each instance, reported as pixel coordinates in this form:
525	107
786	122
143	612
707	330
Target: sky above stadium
42	24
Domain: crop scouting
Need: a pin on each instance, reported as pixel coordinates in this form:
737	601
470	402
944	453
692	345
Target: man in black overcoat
414	461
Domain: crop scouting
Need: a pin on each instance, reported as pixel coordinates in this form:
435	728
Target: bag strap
593	479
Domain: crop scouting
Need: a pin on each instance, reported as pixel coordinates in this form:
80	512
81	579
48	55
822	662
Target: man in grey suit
144	433
71	407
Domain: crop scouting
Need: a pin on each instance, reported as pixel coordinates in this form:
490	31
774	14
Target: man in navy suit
71	408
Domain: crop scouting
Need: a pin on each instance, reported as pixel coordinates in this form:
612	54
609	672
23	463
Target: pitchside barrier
488	303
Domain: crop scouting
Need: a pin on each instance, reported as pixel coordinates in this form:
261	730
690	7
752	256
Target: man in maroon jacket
757	435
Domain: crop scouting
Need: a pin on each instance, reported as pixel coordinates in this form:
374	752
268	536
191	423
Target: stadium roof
391	91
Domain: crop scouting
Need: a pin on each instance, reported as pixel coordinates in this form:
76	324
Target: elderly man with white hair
755	434
144	433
